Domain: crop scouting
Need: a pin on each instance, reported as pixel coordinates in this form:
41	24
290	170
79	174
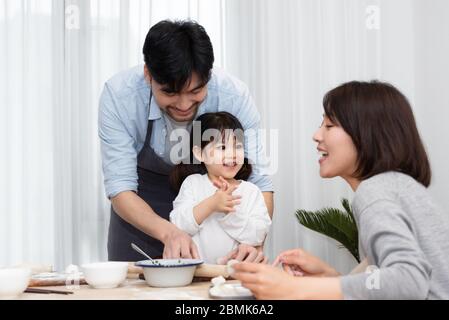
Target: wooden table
131	289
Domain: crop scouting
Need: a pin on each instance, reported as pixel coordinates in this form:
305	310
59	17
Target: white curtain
290	52
54	58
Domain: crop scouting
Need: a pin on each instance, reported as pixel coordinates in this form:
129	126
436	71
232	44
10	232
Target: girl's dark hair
220	121
380	121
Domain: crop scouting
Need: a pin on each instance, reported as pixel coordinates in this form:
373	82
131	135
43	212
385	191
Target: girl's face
224	157
338	154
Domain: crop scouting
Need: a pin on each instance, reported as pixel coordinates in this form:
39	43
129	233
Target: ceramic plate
240	293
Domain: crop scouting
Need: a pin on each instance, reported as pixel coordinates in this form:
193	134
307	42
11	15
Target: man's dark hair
380	122
175	49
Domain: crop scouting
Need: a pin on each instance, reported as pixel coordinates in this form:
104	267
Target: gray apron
154	189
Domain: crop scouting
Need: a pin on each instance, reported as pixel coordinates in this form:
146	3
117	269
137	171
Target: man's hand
178	244
134	210
245	253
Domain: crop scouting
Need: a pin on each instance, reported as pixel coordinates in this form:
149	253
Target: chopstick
47	291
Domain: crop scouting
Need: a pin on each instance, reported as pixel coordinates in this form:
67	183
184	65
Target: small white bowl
13	282
165	273
105	275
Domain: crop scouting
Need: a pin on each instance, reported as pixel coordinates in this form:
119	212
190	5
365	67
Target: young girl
218	219
369	138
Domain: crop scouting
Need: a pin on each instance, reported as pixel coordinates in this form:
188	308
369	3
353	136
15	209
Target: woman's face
224	157
338	154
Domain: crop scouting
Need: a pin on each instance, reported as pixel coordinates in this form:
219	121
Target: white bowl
165	273
105	275
13	282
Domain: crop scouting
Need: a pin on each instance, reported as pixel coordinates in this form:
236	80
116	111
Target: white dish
230	291
222	289
165	273
13	282
105	275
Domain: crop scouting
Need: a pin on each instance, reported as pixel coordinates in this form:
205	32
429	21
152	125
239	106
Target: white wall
432	89
291	52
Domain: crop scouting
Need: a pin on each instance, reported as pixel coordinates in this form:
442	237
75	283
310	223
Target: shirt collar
155	111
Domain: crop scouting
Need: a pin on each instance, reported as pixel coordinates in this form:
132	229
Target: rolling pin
211	271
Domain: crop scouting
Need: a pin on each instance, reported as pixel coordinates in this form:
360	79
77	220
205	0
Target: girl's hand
221	183
298	262
223	199
245	252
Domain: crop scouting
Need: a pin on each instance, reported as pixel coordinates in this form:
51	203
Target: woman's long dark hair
220	121
380	122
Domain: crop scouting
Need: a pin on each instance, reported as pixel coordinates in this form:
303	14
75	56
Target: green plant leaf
347	207
334	223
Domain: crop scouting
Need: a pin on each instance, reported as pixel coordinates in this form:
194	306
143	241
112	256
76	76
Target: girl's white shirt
220	233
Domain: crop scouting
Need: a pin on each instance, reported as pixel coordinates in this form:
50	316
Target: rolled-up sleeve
182	213
246	111
118	147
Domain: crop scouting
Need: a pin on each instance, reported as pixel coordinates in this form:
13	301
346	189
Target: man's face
180	106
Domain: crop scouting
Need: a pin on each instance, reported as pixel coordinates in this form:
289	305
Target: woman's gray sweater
405	238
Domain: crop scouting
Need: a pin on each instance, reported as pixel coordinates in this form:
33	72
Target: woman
370	139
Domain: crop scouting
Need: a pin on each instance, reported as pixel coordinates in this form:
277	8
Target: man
139	108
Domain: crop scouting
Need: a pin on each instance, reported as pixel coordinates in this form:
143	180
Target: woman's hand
268	282
298	262
223	200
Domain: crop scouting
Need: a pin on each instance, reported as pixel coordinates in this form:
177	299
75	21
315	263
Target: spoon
135	247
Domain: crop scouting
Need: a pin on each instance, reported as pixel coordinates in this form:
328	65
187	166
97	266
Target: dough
218	281
229	267
222	289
